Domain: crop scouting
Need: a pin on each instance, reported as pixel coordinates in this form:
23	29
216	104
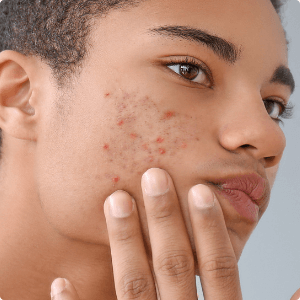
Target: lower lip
242	203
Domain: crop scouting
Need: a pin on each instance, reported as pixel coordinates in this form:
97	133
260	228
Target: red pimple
107	94
116	179
169	114
159	140
162	151
106	147
183	145
120	122
150	158
145	146
133	135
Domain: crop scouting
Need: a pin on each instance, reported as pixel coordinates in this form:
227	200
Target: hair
56	30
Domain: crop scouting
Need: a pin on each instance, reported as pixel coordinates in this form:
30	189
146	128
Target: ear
17	116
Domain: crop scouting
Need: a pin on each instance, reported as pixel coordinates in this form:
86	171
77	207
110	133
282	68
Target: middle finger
173	261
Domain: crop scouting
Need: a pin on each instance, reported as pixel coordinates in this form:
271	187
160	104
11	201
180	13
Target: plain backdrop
270	264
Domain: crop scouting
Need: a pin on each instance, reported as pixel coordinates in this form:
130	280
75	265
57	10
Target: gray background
270	264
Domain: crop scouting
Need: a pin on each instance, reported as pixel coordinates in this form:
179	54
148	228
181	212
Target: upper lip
253	185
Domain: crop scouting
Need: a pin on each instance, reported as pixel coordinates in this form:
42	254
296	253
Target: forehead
246	23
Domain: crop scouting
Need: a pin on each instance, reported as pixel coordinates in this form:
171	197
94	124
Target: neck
33	253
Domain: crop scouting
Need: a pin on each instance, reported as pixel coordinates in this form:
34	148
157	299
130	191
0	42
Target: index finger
217	262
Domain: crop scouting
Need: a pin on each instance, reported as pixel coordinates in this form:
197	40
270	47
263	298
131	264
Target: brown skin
67	150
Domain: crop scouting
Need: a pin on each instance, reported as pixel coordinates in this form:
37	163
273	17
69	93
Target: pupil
188	71
269	106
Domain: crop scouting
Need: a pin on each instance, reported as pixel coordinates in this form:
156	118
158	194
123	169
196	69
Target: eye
189	69
274	108
278	110
189	72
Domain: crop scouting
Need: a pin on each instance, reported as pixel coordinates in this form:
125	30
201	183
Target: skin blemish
133	135
107	95
162	150
183	145
149	159
121	107
145	146
116	179
106	147
126	96
159	140
169	115
120	123
145	100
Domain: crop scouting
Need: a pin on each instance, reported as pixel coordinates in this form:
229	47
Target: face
148	98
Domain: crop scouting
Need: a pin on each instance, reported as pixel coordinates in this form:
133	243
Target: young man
95	93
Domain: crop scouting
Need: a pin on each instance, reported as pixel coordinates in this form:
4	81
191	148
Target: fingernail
202	196
155	182
57	286
121	204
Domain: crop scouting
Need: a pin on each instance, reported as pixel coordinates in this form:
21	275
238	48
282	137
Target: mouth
246	193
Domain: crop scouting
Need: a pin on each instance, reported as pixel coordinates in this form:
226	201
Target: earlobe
16	113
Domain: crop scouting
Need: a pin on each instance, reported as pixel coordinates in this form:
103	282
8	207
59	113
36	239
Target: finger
296	296
62	289
216	259
132	273
172	256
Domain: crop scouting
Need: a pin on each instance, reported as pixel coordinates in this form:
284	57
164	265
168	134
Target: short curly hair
56	30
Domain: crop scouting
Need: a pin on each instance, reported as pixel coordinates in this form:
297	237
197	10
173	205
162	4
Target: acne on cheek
126	118
133	136
168	115
116	179
145	146
106	147
183	145
162	150
127	147
149	159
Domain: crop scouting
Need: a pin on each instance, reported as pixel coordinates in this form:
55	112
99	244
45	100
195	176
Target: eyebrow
283	75
226	50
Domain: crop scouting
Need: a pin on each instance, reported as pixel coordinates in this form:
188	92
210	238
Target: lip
246	193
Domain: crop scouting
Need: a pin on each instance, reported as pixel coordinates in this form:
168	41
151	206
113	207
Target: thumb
62	289
296	296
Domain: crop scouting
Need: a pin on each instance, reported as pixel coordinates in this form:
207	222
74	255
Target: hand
173	261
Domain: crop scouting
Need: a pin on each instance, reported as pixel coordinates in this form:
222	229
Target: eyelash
287	110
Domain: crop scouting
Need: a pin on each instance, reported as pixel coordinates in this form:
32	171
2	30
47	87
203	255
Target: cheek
98	149
142	133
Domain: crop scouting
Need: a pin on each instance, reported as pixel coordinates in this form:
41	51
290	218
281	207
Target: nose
247	127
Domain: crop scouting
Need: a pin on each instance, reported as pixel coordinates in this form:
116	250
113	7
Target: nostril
269	159
246	146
